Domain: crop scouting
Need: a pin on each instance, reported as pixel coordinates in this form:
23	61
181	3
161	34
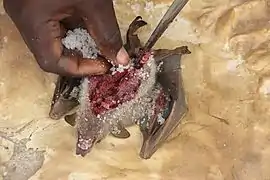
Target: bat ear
132	40
136	24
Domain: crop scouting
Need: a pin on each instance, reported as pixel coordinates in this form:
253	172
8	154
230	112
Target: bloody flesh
108	91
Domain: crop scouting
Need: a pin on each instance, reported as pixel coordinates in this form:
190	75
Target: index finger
100	20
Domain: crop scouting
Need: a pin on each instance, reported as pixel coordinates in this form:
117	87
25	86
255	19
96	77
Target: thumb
122	57
100	20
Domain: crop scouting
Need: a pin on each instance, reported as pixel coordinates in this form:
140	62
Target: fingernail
122	57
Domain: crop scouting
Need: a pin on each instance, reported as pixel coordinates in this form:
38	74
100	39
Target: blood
108	91
160	102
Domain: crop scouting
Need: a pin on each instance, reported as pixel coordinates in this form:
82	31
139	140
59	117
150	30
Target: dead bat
162	100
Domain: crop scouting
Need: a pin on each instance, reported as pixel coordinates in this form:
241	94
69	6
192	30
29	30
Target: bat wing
171	80
65	97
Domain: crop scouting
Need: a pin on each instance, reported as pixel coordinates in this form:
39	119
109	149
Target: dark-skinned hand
43	23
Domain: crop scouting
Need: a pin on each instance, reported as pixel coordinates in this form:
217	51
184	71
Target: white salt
160	119
148	84
79	39
75	92
159	65
84	93
143	75
116	130
119	68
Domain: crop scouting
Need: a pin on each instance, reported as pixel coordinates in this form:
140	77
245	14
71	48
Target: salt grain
120	68
159	65
160	119
75	92
116	130
79	39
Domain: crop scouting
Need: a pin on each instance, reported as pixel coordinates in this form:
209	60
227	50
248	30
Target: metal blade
169	16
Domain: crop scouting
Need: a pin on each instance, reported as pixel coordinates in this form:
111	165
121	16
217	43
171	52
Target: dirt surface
224	136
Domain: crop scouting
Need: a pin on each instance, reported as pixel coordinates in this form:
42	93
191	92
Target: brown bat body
164	78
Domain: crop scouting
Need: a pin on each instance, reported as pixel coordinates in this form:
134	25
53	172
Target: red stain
109	91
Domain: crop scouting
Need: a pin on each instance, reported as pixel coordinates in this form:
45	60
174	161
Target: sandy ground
224	136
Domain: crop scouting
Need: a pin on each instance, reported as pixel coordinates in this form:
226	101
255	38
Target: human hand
43	23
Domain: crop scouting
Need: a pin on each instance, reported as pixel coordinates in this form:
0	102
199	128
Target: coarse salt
79	39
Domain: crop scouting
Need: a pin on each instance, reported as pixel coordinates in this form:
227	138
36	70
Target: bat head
90	131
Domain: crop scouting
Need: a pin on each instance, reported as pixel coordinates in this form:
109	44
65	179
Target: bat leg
119	131
171	81
71	119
